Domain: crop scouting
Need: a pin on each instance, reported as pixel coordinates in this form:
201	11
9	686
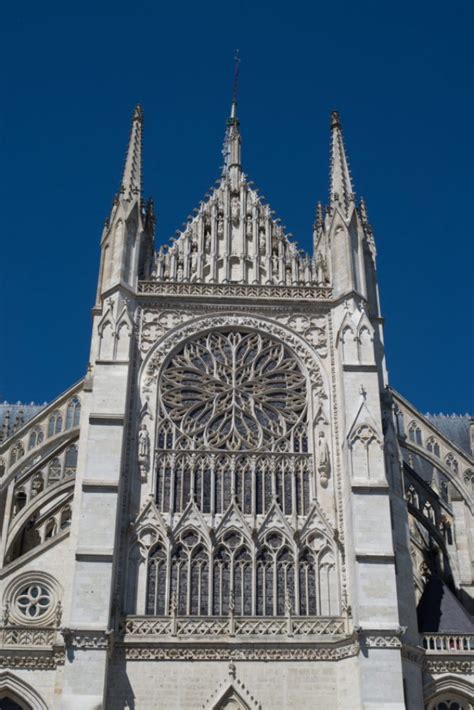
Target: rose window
233	390
33	601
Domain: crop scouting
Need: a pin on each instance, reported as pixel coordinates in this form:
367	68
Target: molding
33	660
25	692
99	486
240	653
374	556
370	487
90	639
107	419
444	665
230	290
95	554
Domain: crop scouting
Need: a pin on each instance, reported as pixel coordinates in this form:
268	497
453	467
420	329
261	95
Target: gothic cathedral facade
233	509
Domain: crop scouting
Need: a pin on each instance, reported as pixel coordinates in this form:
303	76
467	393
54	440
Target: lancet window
55	423
73	412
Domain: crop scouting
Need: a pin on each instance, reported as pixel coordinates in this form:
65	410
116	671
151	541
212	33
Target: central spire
231	149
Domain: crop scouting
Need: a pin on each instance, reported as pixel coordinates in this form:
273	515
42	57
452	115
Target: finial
335	119
341	192
131	180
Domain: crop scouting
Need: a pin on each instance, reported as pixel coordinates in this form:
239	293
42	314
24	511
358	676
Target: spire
231	149
132	173
341	184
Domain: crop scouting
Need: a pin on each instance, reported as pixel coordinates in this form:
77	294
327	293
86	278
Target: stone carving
293	293
85	639
227	321
448	666
248	627
30	661
324	460
234	391
143	450
229	653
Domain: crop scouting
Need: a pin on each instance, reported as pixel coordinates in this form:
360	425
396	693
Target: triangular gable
364	417
233	518
192	518
275	520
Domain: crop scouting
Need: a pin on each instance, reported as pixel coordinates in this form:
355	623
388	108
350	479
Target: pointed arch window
73	412
190	575
17	453
156	582
414	434
36	437
432	446
55	423
233	410
275	576
70	461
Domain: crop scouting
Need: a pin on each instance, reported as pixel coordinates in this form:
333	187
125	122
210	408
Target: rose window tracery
235	391
232	430
33	601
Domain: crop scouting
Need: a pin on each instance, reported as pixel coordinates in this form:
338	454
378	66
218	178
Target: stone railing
449	643
171	288
27	636
235	626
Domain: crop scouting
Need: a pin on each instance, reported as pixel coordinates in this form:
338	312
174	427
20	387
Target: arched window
412	497
432	446
73	412
70	461
19	501
190	575
156	582
414	433
275	576
55	423
240	397
429	513
450	701
16	453
307	582
2	467
36	437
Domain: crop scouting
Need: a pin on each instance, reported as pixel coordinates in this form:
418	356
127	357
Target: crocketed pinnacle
132	173
341	184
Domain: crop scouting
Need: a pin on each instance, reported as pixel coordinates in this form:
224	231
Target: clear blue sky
399	73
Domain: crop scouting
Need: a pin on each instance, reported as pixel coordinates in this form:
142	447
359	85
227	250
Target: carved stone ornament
34	661
297	344
445	666
86	639
230	653
324	460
